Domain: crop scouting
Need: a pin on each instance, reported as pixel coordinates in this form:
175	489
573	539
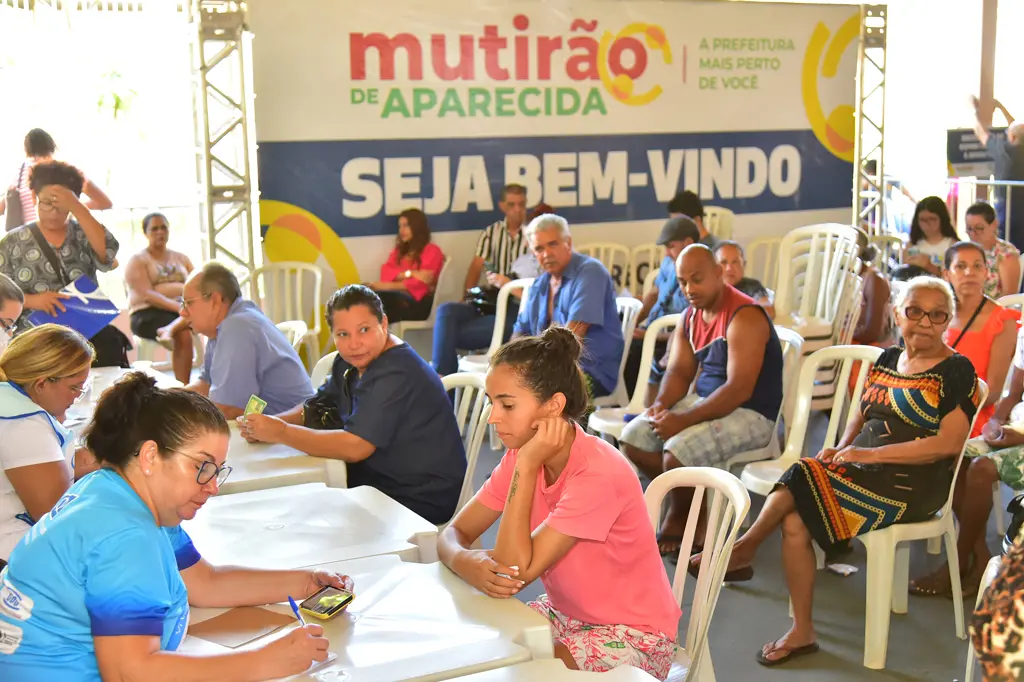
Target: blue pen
295	608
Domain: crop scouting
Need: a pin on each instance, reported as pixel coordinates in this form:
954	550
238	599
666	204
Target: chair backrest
628	309
472	410
811	260
501	311
843	405
792	353
438	290
1012	301
662	324
718	221
982	397
728	504
322	369
288	291
615	257
649	283
890	250
646	261
294	331
763	261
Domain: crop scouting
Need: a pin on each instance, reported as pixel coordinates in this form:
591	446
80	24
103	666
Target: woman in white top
931	233
43	372
40	148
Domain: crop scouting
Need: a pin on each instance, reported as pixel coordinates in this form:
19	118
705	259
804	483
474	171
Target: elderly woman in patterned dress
894	463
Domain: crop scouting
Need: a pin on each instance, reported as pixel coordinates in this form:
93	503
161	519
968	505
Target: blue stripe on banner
358	186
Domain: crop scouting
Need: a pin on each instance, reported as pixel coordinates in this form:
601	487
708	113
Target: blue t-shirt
256	360
399	405
96	565
587	294
671	299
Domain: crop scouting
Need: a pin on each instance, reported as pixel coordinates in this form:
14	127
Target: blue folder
88	309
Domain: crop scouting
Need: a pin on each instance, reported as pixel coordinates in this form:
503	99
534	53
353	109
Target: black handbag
322	412
484	300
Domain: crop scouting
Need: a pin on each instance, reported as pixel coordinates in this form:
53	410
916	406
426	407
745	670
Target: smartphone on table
327	603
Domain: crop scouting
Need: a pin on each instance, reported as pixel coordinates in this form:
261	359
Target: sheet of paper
338	675
239	626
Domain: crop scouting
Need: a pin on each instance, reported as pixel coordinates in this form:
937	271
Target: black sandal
790	654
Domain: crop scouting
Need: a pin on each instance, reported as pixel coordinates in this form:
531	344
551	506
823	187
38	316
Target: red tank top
702	333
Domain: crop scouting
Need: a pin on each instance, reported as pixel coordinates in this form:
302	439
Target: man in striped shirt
458	325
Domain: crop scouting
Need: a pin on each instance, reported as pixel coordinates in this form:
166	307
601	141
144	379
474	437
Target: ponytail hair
134	411
549	364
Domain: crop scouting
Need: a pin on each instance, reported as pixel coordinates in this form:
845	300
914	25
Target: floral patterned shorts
599	648
1009	461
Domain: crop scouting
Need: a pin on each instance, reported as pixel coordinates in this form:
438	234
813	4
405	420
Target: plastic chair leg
819	556
953	559
998	507
934	545
881	568
971	655
901	579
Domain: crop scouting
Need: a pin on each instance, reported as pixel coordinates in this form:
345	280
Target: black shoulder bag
110	343
984	300
322	412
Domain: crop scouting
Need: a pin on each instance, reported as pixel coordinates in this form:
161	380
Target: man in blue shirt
665	297
575	291
245	353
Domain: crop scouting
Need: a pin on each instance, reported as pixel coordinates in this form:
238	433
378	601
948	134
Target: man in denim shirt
577	292
245	354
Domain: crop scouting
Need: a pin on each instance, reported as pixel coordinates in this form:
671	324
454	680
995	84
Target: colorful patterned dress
841	500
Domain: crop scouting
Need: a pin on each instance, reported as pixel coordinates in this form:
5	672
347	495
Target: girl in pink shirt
572	514
409	277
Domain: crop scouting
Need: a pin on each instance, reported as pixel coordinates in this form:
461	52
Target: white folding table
308	525
553	670
414	622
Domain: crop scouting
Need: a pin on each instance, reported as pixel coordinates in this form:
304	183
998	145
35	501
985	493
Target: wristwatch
408	274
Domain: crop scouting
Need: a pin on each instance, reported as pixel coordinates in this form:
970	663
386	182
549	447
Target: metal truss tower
869	151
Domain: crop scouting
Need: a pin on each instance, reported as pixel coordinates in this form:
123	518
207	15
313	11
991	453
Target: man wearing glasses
245	353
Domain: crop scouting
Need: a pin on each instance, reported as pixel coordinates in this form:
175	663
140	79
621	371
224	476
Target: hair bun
562	341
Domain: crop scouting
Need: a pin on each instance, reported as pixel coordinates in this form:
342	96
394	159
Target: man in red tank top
737	390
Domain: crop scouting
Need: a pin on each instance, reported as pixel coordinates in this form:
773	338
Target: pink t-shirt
613	575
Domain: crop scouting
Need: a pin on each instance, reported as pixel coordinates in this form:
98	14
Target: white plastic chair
480	362
295	331
718	221
1020	277
610	421
288	291
792	350
322	369
846	319
616	258
888	568
998	506
890	249
991	570
763	261
472	410
399	329
810	284
628	309
650	255
649	283
727	508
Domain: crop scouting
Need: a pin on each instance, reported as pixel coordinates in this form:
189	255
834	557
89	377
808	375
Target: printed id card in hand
256	405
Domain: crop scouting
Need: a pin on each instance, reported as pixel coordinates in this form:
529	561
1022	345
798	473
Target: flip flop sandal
790	655
919	591
736	575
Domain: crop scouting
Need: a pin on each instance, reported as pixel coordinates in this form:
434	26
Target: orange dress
976	346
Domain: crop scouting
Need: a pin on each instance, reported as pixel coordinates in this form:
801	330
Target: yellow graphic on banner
295	234
621	86
836	132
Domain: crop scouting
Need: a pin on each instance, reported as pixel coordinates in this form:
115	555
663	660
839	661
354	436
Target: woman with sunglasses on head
43	372
100	588
892	464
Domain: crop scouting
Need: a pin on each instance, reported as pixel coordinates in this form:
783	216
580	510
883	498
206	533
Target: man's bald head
1015	132
700	276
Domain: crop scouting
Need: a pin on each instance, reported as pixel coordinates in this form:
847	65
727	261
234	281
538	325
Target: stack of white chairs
472	410
727	506
763	261
628	309
400	329
890	250
649	256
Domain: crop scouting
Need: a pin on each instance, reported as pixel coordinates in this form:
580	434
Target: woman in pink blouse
408	279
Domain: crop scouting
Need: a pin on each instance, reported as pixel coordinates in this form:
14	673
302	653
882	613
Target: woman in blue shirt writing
101	585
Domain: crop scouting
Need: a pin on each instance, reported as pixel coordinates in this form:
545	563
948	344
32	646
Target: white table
415	622
309	525
553	670
255	466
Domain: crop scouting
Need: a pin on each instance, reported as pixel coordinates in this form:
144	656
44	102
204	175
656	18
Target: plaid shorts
708	444
599	648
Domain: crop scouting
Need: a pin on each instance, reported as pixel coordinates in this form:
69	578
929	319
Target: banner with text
603	110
